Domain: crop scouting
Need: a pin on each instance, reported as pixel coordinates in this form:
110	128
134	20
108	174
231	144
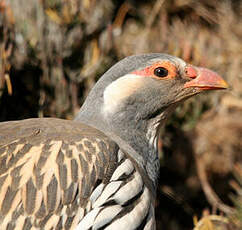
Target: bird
100	170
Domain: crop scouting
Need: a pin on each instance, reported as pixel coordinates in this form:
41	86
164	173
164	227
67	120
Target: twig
212	197
154	12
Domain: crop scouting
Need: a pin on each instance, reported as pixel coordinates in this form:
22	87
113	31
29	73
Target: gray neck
136	134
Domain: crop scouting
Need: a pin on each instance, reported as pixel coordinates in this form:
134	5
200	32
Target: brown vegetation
53	51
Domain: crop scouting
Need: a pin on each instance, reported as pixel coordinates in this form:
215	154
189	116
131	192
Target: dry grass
52	52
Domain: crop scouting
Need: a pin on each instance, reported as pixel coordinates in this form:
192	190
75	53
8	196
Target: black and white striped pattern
123	203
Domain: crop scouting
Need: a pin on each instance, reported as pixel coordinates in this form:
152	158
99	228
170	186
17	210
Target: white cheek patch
119	90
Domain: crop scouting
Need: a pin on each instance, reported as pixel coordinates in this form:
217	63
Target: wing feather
48	169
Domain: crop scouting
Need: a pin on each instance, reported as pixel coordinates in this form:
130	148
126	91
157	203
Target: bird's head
159	82
137	94
142	87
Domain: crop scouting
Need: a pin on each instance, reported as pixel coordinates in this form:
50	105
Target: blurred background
53	51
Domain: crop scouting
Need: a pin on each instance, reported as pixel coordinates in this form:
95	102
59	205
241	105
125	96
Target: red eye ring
161	70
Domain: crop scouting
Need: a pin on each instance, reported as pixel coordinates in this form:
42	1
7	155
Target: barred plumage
123	201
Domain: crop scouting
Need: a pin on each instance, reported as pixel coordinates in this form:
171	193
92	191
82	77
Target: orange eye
161	72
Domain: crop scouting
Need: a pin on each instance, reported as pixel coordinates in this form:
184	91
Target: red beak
204	78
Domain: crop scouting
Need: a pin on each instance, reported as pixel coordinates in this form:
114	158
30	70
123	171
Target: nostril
191	72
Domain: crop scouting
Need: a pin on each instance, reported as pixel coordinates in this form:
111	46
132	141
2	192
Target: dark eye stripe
161	72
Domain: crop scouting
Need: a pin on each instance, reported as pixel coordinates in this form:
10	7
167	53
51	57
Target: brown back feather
48	168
